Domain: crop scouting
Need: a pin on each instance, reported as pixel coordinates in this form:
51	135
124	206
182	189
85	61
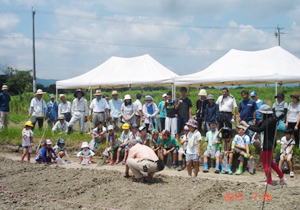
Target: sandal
292	174
123	162
111	162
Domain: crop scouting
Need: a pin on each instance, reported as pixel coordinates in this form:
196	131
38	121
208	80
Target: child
213	147
228	149
241	146
124	139
27	136
111	141
169	145
46	154
144	136
193	150
134	132
155	142
85	152
182	150
98	134
60	148
287	144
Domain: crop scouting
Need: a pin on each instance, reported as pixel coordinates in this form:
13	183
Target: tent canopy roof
247	67
119	72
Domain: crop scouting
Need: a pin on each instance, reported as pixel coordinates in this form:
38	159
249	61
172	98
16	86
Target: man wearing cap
201	104
99	109
38	108
184	111
64	107
247	111
52	111
139	106
259	102
141	158
161	112
79	110
4	107
115	110
280	107
61	125
227	107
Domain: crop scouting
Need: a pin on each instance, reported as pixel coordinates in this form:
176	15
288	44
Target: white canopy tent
119	72
274	65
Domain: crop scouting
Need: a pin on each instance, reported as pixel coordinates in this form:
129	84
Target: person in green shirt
169	145
213	147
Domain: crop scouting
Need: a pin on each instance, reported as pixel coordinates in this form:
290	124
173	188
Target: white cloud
8	22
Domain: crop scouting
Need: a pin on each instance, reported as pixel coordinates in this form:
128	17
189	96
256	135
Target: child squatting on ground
287	144
213	147
193	151
27	137
46	154
85	152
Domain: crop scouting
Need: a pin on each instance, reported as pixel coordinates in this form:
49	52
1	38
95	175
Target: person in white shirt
61	125
227	108
38	109
99	109
139	106
79	110
64	107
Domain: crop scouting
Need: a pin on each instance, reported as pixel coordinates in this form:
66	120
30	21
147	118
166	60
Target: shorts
241	157
126	147
237	150
25	147
191	157
174	151
289	156
212	153
181	151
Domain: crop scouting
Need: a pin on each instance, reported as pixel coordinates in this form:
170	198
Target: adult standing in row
128	110
211	112
171	114
64	107
280	107
139	109
4	107
162	117
150	111
79	110
38	109
115	110
201	104
247	111
184	111
227	107
52	111
99	109
293	117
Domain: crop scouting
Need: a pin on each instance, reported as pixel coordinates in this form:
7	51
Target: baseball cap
253	93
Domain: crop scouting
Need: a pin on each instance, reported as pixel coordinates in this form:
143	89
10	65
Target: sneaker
174	165
217	170
205	170
223	172
117	161
282	181
124	162
179	168
292	174
111	162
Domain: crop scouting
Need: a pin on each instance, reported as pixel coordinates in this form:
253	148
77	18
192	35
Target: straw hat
84	144
61	117
295	95
4	87
98	93
114	92
202	92
61	95
39	92
78	91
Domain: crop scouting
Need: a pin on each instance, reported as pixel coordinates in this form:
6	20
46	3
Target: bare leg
189	168
221	159
119	153
289	161
24	153
280	163
230	158
196	167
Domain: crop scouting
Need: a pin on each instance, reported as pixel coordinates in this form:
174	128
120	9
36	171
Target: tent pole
275	88
56	93
91	92
280	85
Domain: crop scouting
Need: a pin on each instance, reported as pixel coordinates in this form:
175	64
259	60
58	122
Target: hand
178	102
286	124
203	123
233	117
28	116
296	127
85	119
176	115
285	157
151	116
248	154
254	122
199	155
142	119
240	119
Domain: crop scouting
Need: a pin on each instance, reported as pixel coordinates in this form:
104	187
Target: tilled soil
86	188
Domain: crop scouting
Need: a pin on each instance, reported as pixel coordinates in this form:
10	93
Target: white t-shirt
99	105
184	137
285	143
293	113
227	104
279	108
241	140
197	139
139	107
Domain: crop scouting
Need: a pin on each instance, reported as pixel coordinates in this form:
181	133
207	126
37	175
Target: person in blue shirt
161	113
259	102
52	111
247	111
211	112
46	154
4	107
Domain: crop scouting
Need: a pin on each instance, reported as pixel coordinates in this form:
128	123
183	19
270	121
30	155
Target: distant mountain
45	82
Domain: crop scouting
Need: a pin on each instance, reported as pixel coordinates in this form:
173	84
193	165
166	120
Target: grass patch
17	118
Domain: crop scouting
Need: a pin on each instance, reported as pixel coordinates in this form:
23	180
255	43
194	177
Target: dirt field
89	187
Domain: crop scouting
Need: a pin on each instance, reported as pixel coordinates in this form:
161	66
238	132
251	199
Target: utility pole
33	52
278	33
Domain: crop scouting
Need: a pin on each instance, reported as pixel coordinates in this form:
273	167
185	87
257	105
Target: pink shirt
142	152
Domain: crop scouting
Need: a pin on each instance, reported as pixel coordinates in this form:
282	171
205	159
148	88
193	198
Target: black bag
160	165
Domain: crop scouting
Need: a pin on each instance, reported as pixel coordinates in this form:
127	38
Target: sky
73	37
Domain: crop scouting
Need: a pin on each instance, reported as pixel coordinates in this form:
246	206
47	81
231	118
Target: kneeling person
169	145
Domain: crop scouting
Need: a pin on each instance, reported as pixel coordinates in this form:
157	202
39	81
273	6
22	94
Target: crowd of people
178	137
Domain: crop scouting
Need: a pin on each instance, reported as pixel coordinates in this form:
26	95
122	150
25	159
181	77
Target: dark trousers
138	120
296	133
67	116
162	124
39	120
202	131
225	119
